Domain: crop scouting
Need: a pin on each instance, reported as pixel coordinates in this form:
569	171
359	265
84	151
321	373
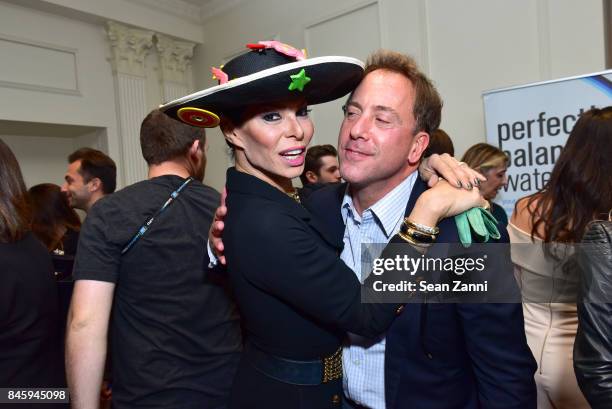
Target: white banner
531	123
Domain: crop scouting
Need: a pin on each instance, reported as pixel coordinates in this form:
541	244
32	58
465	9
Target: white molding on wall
175	58
129	47
44	88
178	8
173	90
544	41
339	13
131	109
39	88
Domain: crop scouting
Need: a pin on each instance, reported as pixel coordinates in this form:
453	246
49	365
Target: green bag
478	220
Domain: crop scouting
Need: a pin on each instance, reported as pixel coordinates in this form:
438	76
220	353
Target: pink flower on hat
284	49
219	75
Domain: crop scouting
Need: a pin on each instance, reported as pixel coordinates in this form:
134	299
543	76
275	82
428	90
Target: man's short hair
313	161
163	138
427	109
96	164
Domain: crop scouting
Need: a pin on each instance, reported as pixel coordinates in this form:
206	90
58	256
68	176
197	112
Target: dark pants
349	404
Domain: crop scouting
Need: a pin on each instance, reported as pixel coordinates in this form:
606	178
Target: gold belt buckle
332	366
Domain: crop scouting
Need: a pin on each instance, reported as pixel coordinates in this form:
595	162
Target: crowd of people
168	295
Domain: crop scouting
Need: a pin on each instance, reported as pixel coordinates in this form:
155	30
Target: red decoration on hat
198	117
256	46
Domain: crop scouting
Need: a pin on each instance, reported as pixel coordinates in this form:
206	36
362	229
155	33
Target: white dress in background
550	326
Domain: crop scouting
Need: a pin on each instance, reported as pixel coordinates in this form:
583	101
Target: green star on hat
298	81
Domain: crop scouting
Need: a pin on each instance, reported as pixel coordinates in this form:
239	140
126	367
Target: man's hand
444	166
216	229
442	201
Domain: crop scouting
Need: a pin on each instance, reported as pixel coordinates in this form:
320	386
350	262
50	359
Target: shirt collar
388	210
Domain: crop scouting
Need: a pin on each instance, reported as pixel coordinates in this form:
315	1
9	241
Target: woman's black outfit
29	330
297	300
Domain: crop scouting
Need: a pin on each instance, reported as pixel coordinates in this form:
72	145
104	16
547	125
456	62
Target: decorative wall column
175	60
129	47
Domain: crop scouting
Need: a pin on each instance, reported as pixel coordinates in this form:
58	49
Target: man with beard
174	333
90	176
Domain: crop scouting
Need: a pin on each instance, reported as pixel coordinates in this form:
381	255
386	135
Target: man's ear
421	141
193	149
95	185
311	177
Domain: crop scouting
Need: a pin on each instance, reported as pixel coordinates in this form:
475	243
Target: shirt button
399	310
336	400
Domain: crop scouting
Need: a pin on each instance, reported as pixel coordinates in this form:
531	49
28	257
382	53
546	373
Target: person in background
29	331
57	226
593	347
90	176
320	168
54	222
492	163
321	165
439	142
548	223
174	330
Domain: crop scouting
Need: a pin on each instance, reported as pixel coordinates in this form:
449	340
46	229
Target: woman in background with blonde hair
549	222
492	163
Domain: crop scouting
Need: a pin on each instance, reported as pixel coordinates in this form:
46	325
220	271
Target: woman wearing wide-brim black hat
297	298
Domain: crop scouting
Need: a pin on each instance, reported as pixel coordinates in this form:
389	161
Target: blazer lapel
324	205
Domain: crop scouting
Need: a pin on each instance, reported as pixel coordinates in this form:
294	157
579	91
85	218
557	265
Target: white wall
466	47
56	69
42	159
72	85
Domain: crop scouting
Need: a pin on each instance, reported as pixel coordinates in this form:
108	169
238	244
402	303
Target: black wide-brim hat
266	75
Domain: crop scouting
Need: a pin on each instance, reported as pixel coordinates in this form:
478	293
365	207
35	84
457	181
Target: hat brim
330	78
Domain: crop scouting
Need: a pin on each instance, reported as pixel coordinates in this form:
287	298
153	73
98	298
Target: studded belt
295	372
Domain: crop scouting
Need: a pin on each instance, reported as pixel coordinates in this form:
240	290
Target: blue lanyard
148	223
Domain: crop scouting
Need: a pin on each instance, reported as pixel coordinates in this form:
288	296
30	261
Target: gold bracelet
419	235
411	240
421	227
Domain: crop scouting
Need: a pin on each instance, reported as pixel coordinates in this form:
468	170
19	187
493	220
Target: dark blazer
296	297
449	356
